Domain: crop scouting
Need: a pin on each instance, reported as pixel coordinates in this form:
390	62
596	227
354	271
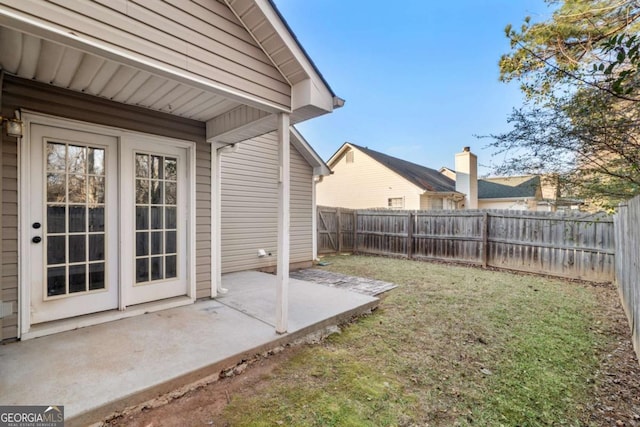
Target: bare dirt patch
204	405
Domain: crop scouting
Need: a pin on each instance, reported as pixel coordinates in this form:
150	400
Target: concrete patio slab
248	294
100	369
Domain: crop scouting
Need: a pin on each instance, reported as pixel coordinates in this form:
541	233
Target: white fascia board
320	168
48	31
308	92
312	91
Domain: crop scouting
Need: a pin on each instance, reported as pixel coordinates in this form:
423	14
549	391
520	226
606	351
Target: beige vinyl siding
363	184
201	39
301	238
9	233
250	205
20	93
203	219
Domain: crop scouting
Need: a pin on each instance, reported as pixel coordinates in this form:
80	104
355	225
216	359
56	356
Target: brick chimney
467	177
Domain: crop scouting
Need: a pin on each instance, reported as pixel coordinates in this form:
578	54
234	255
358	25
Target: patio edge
97	415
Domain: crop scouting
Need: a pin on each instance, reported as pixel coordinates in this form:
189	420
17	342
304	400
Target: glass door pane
75	219
156	199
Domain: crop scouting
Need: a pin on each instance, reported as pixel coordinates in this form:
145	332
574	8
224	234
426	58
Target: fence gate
327	230
335	229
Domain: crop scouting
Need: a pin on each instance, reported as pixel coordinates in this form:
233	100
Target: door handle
37	239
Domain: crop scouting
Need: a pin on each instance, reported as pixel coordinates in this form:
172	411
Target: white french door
155	198
73	223
108	218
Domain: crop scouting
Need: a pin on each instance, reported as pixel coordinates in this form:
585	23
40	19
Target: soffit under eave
39	50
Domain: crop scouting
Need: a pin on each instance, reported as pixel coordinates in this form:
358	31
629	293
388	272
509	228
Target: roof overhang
506	199
37	49
34	46
453	194
311	96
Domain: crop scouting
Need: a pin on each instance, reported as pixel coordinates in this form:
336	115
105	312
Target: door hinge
6	309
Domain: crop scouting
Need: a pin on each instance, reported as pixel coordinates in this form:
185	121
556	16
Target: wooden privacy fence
579	246
627	226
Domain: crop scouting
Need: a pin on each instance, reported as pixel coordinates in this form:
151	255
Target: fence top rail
334	209
565	218
449	213
383	213
496	213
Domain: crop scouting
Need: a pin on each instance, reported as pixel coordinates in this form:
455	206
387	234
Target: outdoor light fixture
13	127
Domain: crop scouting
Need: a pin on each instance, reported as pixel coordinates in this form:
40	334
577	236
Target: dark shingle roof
508	187
425	178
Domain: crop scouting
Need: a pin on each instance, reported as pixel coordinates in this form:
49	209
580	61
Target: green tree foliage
580	122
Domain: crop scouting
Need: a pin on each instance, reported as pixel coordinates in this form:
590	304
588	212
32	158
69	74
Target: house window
396	202
436	203
349	156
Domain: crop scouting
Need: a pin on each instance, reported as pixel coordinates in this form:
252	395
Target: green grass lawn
450	346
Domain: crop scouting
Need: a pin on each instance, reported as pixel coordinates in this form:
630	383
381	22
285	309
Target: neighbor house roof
509	187
426	178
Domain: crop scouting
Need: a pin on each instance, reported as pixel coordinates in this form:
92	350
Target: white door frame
132	294
24	230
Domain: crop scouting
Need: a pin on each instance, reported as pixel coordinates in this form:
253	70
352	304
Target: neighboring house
512	192
363	178
525	192
144	151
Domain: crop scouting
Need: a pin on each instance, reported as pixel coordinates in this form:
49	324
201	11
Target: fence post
339	225
485	239
355	231
410	235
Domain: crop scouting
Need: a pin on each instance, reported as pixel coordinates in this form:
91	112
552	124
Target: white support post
282	277
216	223
314	219
215	214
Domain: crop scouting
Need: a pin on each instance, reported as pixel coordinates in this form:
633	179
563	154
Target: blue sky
420	78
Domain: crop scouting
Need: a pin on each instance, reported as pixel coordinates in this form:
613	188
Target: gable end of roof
423	177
